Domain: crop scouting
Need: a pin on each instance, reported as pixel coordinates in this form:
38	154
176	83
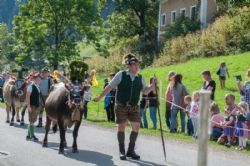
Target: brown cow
64	105
14	98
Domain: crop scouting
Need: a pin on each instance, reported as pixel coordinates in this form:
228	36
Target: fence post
203	136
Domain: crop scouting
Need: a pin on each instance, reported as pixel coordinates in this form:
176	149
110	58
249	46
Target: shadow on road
92	157
38	129
148	163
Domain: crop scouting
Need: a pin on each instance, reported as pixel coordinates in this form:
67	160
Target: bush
182	26
229	34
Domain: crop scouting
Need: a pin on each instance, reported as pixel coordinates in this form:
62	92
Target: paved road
98	146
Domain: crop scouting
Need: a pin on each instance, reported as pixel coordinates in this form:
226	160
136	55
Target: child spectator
190	128
143	107
241	130
222	72
153	104
209	83
229	123
194	112
216	120
86	97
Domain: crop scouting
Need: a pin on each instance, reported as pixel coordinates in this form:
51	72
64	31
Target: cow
14	94
64	106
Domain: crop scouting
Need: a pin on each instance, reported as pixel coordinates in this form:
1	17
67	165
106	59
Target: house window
192	12
173	16
183	12
163	19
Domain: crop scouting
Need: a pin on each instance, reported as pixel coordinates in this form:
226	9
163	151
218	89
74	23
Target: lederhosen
127	98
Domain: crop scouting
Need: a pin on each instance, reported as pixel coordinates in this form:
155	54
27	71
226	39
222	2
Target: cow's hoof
18	120
22	123
11	123
54	129
75	150
7	121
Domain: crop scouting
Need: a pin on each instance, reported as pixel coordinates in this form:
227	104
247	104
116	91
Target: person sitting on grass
223	73
229	123
216	120
194	112
33	103
190	128
241	130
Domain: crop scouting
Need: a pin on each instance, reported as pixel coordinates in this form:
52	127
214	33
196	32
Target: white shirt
87	95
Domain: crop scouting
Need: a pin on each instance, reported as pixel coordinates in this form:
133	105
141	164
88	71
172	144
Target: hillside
191	71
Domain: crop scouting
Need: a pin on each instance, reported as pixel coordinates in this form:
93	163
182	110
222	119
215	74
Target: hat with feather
130	59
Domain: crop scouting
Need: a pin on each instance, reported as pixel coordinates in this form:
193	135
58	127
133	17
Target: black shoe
131	152
28	138
39	125
22	123
122	152
34	138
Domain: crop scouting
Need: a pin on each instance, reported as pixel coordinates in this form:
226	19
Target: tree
135	18
49	30
224	5
182	26
8	45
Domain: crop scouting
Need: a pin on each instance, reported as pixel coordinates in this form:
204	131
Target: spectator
216	120
169	98
190	128
248	124
112	101
2	81
87	98
245	90
241	127
108	104
178	91
229	123
194	112
153	104
222	72
143	107
209	83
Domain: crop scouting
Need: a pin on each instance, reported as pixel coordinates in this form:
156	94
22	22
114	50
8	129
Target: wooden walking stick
159	114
